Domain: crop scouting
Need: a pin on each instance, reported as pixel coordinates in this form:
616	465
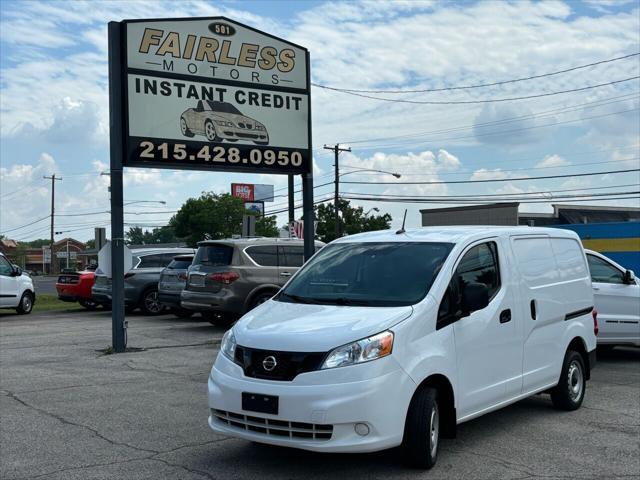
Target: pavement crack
195	471
80	425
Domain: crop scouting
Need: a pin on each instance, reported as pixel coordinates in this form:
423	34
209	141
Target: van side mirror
475	296
16	272
629	277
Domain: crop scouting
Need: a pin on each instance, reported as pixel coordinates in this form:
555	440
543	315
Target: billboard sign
244	191
214	94
250	192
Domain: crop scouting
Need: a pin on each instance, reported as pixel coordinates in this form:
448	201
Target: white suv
16	287
616	293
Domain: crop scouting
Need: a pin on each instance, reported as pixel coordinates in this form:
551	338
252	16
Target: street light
358	170
162	202
374	209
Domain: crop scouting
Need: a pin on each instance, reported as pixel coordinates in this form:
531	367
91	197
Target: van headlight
360	351
228	345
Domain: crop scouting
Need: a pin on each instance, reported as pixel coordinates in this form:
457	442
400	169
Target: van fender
575	339
258	290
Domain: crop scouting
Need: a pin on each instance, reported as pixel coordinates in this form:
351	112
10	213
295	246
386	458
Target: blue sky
54	104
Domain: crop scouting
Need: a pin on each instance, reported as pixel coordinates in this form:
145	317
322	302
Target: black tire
569	393
150	303
183	313
26	304
259	299
89	304
210	131
185	129
422	429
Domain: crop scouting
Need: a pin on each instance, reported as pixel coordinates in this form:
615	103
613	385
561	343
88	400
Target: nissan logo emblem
269	363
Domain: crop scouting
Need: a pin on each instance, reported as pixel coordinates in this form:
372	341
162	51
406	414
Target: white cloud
489	174
553	161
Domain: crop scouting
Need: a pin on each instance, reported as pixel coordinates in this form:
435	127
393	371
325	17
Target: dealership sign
213	94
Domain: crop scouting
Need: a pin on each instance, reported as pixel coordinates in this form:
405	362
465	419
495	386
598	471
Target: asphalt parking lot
70	412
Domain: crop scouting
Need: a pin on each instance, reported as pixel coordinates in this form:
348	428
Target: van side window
5	267
478	265
603	272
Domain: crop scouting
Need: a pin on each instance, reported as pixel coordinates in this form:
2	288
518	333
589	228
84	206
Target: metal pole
308	215
336	151
67	253
117	216
292	214
53	209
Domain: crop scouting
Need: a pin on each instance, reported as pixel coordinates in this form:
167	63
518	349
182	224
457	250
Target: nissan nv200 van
393	338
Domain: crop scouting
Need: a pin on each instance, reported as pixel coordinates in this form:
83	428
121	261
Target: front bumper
376	395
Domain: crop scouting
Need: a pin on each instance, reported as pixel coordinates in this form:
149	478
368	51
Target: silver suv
172	280
141	282
230	277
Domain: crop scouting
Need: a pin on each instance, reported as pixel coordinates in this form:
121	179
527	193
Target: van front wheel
569	393
422	429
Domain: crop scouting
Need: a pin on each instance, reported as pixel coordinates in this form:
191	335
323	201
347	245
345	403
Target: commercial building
613	231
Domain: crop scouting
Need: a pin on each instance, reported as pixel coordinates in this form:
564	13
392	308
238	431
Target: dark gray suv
230	277
141	282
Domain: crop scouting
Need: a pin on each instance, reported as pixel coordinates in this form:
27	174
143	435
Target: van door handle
505	316
285	274
596	288
532	306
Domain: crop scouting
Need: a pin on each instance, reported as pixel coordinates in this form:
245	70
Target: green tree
90	244
215	216
266	227
137	236
353	220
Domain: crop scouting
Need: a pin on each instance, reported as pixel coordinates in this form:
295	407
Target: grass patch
48	302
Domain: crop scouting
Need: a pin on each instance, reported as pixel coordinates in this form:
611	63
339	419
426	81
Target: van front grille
288	365
274	428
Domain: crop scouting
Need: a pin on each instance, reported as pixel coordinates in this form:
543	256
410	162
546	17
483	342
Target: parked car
141	282
222	121
616	293
76	287
230	277
388	339
172	280
16	287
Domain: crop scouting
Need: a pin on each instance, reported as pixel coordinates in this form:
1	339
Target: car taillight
594	314
224	277
129	275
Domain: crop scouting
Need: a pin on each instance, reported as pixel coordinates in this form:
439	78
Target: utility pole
336	151
292	215
53	198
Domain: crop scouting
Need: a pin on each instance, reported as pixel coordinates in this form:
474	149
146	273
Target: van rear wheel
422	429
569	393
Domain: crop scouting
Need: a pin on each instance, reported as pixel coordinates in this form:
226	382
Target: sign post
206	94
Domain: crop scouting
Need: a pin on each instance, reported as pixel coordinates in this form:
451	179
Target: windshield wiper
298	298
342	301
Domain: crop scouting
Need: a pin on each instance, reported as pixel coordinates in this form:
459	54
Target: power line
498	179
481	85
544	113
26	225
489	100
572	198
501	132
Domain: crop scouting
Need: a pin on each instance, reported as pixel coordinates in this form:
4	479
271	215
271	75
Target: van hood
297	327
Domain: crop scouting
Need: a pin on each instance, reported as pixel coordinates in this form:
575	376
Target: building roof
8	243
470	207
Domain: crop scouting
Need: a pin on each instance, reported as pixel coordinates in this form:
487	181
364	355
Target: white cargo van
393	338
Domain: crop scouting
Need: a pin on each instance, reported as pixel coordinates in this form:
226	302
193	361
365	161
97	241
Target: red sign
244	191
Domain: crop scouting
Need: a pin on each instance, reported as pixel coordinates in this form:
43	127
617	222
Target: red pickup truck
76	287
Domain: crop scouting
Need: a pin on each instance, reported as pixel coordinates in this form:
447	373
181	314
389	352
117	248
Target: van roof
453	234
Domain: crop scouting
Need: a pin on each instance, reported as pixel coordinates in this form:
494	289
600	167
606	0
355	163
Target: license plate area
258	402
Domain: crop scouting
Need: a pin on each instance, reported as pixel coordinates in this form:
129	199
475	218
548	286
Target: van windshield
385	274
